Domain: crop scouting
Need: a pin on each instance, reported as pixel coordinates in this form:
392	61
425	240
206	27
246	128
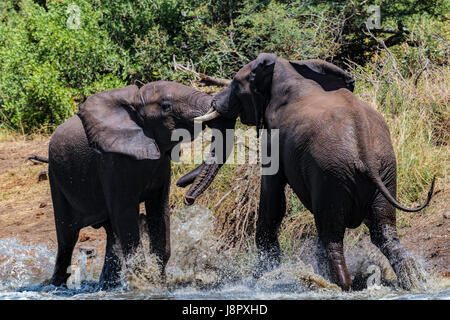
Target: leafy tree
53	55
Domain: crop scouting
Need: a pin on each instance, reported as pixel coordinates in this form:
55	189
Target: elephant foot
410	274
59	280
110	278
109	281
107	285
163	277
341	277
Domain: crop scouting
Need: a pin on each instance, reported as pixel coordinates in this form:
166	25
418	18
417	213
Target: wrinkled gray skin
110	157
335	153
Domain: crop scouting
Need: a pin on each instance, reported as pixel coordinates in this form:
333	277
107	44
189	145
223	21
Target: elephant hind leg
383	234
66	242
67	236
332	248
339	271
410	274
331	229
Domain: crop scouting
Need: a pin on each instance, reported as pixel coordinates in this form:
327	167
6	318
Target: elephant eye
166	106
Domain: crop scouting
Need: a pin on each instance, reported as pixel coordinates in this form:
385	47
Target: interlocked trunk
202	176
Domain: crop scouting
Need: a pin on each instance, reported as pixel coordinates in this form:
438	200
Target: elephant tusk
211	114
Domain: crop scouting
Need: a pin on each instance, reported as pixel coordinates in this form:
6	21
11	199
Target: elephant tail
379	183
37	158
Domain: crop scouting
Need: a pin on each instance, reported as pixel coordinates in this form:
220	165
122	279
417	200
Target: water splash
142	272
197	254
412	275
294	276
197	258
199	268
23	263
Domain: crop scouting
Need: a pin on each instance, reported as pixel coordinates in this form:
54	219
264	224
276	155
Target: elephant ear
329	76
261	72
111	124
260	79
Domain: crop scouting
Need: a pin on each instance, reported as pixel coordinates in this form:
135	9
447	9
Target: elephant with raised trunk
335	152
115	154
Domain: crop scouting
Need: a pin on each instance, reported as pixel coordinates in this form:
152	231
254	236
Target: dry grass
416	110
419	120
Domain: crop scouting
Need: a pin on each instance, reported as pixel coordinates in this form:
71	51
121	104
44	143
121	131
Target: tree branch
203	78
391	55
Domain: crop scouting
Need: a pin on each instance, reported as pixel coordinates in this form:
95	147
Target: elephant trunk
202	176
202	181
187	179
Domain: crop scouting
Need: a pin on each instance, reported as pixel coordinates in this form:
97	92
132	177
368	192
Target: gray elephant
113	155
335	152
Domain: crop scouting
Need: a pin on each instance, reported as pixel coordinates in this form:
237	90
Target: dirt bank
26	210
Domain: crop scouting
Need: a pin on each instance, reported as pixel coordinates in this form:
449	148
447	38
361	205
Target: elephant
335	152
114	154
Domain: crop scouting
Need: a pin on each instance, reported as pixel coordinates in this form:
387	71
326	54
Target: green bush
48	66
285	30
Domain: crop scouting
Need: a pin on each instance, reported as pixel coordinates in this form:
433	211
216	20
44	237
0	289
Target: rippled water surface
197	270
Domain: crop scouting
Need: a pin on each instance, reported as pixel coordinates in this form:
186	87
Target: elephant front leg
272	207
124	220
158	223
159	233
110	276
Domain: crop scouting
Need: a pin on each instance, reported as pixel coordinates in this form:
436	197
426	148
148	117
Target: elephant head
139	122
249	93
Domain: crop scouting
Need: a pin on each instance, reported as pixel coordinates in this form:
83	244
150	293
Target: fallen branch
33	158
203	78
225	196
399	31
214	81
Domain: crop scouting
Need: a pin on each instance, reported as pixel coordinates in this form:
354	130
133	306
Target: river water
197	270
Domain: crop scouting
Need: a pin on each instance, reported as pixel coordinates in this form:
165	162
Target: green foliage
47	68
283	29
427	46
